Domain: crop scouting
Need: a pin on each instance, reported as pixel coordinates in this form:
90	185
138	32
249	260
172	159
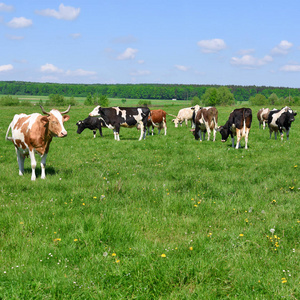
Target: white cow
184	115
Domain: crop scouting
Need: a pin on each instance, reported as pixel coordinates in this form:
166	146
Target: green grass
98	225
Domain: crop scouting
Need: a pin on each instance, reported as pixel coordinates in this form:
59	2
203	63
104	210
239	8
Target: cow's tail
8	138
172	115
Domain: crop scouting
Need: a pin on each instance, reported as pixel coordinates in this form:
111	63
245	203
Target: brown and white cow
184	115
262	116
33	134
157	118
206	120
239	124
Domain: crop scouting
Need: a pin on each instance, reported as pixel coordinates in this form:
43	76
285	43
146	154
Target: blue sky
222	42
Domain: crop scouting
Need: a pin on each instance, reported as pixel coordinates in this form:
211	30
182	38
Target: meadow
168	217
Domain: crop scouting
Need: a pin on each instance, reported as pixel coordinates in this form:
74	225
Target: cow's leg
153	130
143	131
100	130
264	125
215	133
43	166
165	127
20	158
33	164
238	138
287	134
246	138
208	134
281	134
275	134
94	132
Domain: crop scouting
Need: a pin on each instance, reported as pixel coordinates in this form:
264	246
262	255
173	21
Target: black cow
92	123
281	120
115	117
238	124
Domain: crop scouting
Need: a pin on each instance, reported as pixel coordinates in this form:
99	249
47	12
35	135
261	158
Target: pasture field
168	217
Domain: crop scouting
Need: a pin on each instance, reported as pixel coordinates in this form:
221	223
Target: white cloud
290	68
15	38
49	68
75	35
68	13
182	68
7	8
19	22
140	73
211	46
80	72
282	48
5	68
250	61
245	51
129	53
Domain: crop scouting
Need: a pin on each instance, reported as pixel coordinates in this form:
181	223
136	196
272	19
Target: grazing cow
115	117
184	115
206	120
238	124
281	120
262	116
92	123
34	133
157	118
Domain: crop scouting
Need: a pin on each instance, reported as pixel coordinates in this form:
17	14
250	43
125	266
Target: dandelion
83	203
283	280
272	230
246	220
195	205
75	240
163	255
241	234
114	254
117	261
273	201
57	240
21	223
94	197
105	254
191	248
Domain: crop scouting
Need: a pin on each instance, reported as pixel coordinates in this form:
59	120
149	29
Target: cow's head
291	116
55	121
177	122
95	112
80	125
224	131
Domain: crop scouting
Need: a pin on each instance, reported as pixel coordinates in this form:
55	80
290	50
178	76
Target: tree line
140	91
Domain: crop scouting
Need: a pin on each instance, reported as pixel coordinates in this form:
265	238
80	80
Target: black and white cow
238	124
116	117
92	123
281	120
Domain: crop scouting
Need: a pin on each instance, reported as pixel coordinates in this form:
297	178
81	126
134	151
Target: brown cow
34	133
157	118
262	116
206	120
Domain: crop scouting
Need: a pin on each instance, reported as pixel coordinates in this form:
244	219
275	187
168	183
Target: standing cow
116	117
262	116
157	118
34	133
184	115
281	120
92	123
239	124
206	120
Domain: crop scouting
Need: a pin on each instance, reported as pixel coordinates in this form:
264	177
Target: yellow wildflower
163	255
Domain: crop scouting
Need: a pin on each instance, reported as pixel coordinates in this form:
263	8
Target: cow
92	123
184	115
33	134
116	117
206	120
281	120
239	124
157	118
262	116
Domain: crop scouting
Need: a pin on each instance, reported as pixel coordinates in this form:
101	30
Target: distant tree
103	101
123	101
196	101
9	101
258	99
273	99
72	101
88	100
209	98
224	96
56	100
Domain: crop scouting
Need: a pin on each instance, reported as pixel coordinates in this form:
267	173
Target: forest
140	91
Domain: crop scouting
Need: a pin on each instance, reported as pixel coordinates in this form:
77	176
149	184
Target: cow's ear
66	118
44	120
295	114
